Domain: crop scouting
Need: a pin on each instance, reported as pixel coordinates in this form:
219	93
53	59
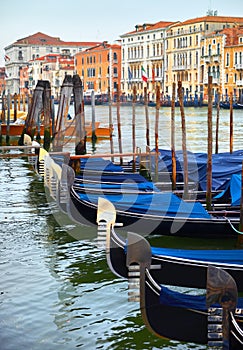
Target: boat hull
171	270
150	224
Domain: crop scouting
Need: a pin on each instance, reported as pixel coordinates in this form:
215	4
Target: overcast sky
92	20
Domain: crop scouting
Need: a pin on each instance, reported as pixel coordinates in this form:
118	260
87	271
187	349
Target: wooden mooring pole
217	124
8	119
173	158
15	106
146	115
209	162
134	126
119	122
110	122
47	115
80	134
94	137
184	147
156	136
240	236
231	122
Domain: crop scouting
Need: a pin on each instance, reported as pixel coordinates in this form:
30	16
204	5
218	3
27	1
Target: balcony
216	58
239	82
239	66
207	59
181	67
215	81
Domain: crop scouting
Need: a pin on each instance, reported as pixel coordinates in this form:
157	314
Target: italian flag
144	75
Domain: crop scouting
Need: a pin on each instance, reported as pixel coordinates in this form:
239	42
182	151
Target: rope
239	232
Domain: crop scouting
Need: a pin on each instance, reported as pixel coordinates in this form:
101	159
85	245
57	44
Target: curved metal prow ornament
138	259
222	289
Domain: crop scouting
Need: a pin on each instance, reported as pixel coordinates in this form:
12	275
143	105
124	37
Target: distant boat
226	105
97	96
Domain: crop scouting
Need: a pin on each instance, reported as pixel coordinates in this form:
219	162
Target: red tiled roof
44	39
150	26
218	19
232	35
99	47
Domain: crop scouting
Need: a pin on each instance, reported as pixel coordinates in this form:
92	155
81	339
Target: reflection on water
57	293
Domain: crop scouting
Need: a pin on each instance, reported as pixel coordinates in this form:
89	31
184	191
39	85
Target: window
20	56
218	49
236	56
227	59
209	49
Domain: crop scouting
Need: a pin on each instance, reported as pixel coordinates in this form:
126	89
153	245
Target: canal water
56	290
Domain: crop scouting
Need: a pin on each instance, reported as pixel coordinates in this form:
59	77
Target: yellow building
222	58
233	58
189	53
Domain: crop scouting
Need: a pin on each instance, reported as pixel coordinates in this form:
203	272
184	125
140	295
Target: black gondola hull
150	224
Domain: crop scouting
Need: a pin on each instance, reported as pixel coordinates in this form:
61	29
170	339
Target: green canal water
56	291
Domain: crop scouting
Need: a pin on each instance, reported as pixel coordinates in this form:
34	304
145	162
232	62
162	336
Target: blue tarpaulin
173	298
159	203
224	165
233	190
228	256
99	164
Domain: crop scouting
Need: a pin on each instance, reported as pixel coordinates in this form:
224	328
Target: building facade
144	50
19	53
152	54
99	67
2	80
51	67
221	54
171	52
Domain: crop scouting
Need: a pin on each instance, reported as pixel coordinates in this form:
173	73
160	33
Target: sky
93	20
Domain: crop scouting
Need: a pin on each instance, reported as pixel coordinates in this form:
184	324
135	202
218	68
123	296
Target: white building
22	51
144	47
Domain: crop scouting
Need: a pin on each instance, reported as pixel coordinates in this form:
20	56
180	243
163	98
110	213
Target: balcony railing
239	66
181	67
214	81
239	82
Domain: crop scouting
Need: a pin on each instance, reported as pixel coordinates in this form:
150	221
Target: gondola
156	213
214	319
235	105
179	267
